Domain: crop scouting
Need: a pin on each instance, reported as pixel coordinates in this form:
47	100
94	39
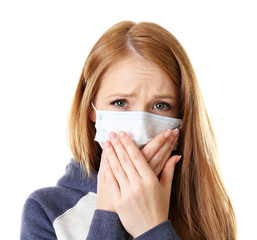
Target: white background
43	46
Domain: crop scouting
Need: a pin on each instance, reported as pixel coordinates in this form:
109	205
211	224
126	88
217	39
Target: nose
142	106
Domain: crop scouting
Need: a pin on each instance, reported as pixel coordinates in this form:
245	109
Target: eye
162	106
119	103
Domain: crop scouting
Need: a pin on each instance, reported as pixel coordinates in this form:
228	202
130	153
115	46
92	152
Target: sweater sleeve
35	222
106	225
163	231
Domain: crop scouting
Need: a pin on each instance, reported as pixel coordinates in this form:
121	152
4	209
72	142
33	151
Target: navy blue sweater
68	211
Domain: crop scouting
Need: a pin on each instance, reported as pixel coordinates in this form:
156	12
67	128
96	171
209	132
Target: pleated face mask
140	126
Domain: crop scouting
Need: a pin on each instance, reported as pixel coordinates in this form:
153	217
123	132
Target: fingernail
121	134
179	157
175	132
167	133
112	135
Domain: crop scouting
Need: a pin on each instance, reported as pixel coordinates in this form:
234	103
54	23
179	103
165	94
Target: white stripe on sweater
75	222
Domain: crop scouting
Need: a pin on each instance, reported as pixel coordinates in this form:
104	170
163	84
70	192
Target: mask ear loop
93	106
96	115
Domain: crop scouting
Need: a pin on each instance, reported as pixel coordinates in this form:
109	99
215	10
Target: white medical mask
140	126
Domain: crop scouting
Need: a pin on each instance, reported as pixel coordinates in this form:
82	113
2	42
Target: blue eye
119	103
162	106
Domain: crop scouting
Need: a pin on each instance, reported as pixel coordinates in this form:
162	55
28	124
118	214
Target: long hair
200	207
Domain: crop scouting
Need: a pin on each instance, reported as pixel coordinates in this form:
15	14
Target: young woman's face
136	84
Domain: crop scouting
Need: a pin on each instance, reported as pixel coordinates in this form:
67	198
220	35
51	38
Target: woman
137	113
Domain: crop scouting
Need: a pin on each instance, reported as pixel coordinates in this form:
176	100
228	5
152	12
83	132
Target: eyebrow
134	95
122	95
165	96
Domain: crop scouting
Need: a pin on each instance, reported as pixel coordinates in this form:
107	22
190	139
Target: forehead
133	73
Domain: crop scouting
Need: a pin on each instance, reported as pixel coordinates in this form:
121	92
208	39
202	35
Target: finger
110	178
159	164
136	156
151	148
123	157
168	172
158	160
115	165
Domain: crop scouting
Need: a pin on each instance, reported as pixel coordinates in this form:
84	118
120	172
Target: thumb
168	172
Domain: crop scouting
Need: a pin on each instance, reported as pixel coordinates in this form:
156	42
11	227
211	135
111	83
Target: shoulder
71	187
46	207
43	207
52	201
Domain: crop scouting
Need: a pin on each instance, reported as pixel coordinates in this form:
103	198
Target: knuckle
158	169
123	157
116	169
109	180
147	153
158	156
155	186
137	190
152	183
136	156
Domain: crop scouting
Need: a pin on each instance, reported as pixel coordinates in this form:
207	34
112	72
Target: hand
158	150
139	198
156	153
104	198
